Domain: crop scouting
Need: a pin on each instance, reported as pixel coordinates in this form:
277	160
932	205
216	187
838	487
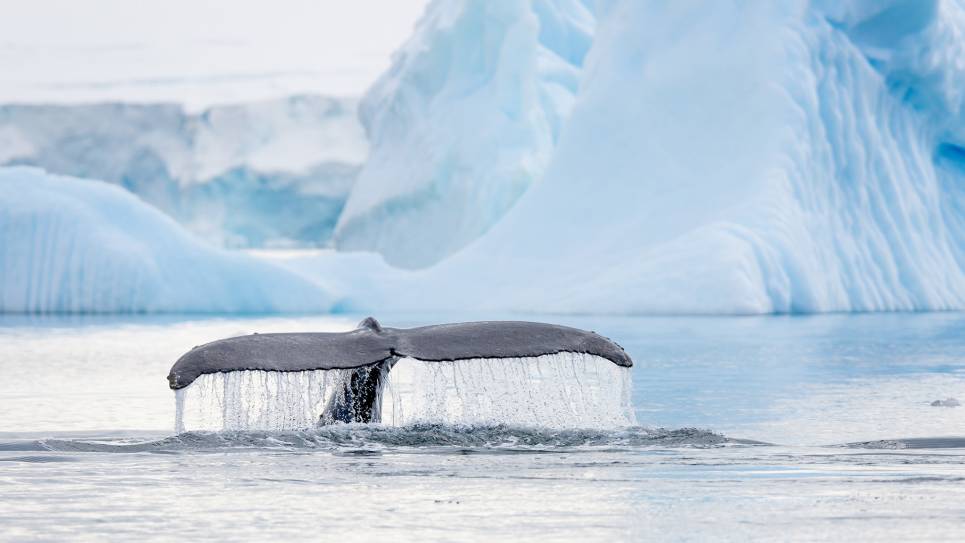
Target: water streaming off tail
565	390
258	400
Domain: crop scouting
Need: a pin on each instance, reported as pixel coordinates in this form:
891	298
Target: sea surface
840	427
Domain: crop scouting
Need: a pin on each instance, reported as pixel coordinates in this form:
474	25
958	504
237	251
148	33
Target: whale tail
464	372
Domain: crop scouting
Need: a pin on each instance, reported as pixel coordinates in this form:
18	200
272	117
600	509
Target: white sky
197	52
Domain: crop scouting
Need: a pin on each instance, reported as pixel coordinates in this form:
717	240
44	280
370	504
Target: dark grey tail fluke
371	350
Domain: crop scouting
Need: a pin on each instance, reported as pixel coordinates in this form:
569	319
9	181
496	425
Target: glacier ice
462	124
653	157
78	246
263	174
737	158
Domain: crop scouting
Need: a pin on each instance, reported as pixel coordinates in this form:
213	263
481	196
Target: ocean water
790	428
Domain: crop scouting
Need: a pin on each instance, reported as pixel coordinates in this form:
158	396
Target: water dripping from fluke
480	373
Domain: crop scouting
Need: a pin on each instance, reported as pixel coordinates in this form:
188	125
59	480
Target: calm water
776	427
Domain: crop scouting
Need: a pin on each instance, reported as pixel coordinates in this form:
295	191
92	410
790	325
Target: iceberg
463	122
78	246
264	174
638	157
736	158
918	47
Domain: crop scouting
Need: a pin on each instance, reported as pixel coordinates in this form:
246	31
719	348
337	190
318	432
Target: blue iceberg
629	156
462	124
274	173
78	246
736	158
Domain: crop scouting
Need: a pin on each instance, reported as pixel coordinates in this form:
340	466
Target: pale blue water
86	450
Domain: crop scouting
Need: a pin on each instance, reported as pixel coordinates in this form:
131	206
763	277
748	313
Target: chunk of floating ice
565	390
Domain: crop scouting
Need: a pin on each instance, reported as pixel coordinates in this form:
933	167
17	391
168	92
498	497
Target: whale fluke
371	350
371	344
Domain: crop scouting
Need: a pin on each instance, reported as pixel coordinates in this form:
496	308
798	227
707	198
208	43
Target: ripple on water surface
413	438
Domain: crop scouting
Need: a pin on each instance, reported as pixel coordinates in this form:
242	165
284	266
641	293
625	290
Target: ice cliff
78	246
272	173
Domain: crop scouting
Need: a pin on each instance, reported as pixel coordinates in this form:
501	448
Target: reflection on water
852	445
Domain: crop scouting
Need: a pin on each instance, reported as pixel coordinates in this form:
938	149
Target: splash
565	390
